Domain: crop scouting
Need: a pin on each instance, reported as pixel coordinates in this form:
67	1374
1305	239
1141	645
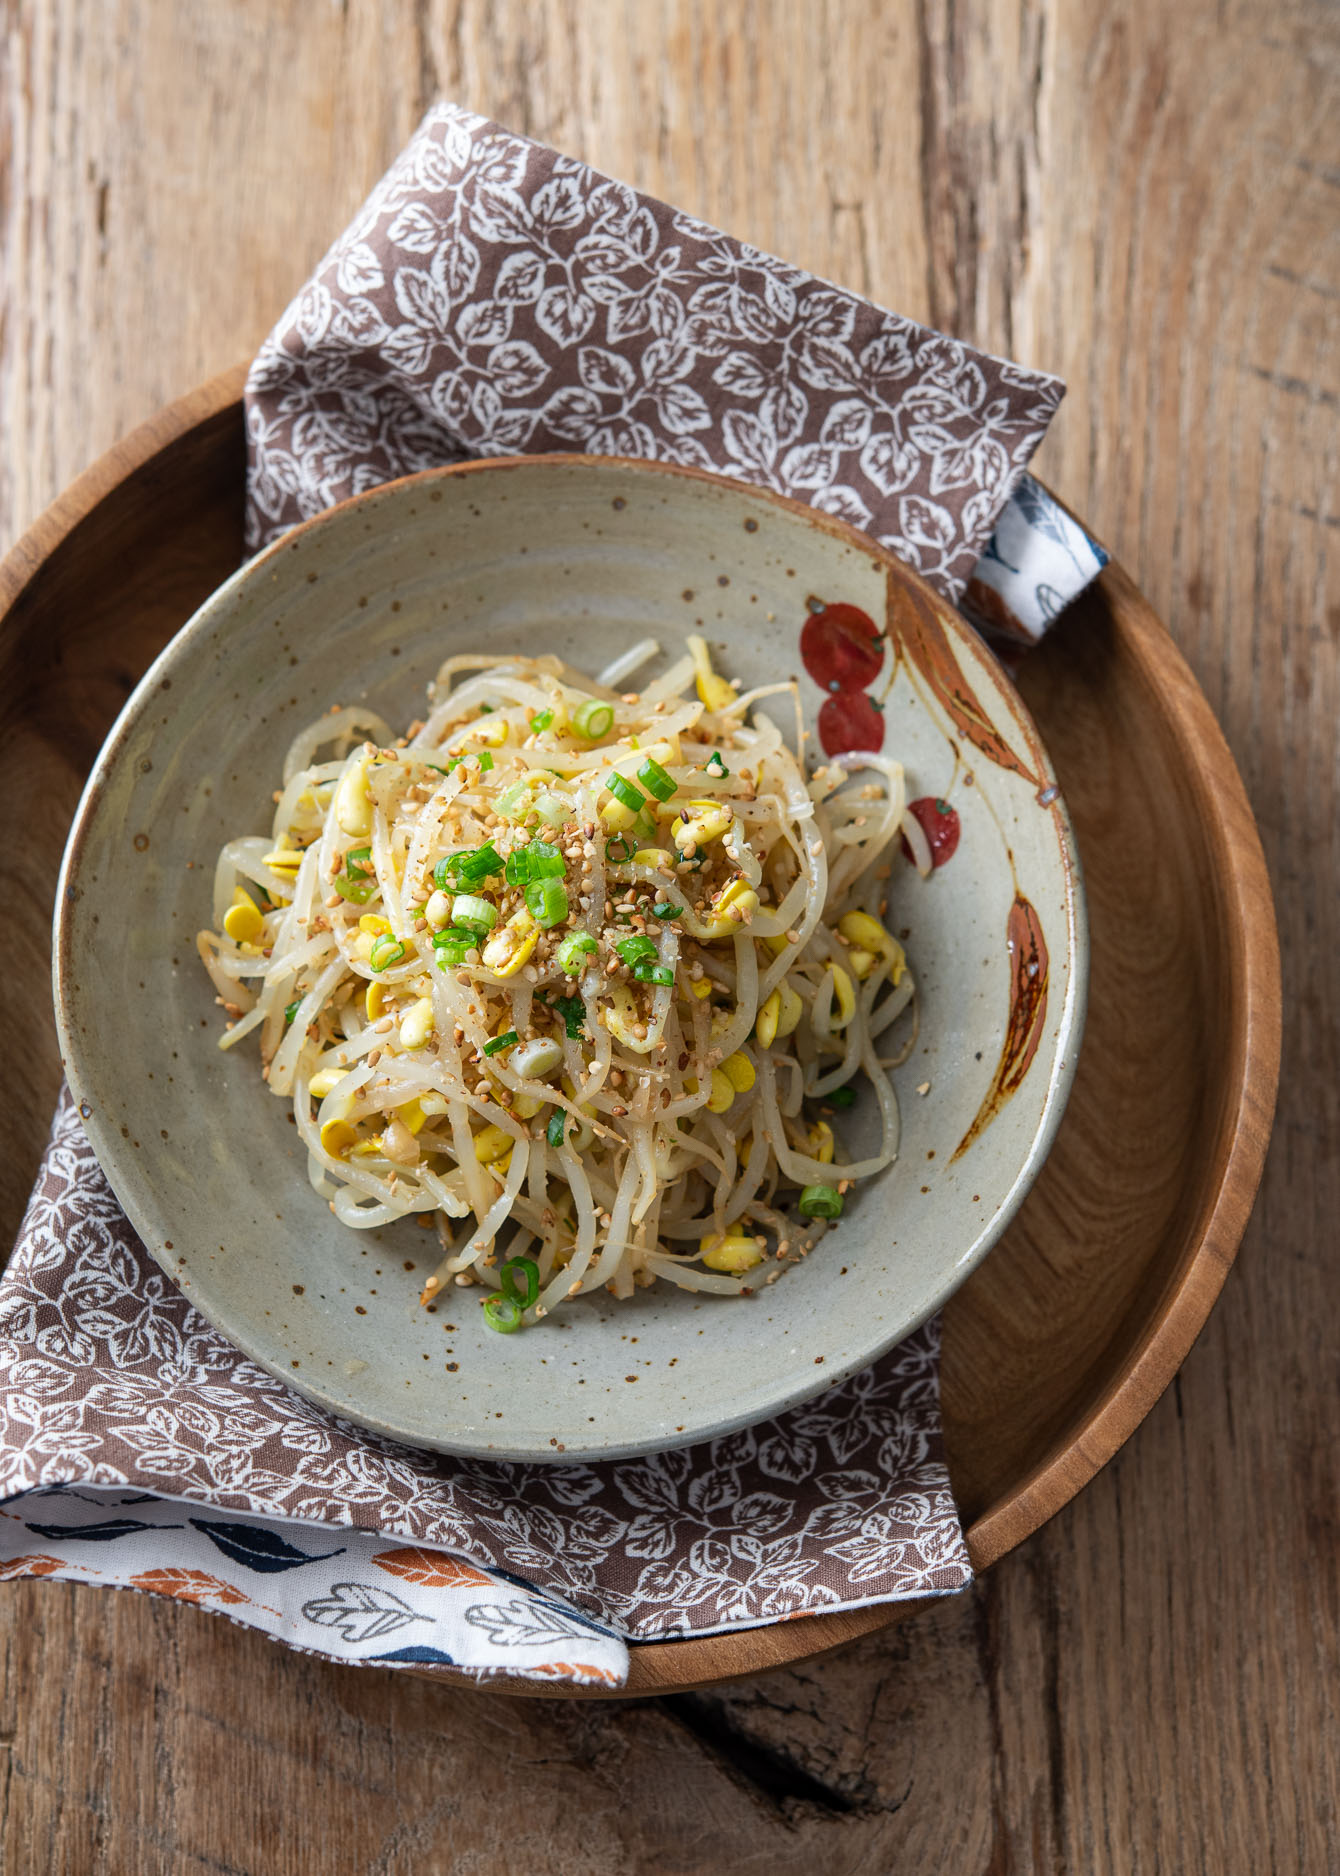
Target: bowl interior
576	557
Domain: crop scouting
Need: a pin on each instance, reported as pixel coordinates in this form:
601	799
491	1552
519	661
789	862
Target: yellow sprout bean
375	1001
652	856
735	905
373	922
861	962
323	1081
714	691
861	929
617	818
242	921
705	821
765	1024
512	943
793	1009
739	1071
337	1137
412	1115
491	1143
734	1252
353	804
821	1142
723	1092
620	1016
418	1025
867	934
844	998
438	910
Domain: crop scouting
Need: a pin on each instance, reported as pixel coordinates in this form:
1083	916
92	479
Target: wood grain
1149	1683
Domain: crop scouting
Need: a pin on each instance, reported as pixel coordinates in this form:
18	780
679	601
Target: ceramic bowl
575	556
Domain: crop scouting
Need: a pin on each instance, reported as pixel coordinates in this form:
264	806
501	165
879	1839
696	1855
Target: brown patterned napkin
493	297
113	1389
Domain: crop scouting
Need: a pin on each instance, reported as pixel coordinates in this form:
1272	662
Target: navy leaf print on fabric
257	1548
99	1533
436	1657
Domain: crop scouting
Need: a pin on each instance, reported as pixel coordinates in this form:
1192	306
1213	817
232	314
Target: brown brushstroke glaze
1028	1013
917	632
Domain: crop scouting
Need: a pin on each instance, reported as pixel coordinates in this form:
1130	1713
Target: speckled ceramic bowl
575	556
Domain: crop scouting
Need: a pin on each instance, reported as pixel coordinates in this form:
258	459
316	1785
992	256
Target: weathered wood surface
1152	210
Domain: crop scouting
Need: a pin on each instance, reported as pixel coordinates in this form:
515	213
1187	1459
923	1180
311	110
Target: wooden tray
1064	1338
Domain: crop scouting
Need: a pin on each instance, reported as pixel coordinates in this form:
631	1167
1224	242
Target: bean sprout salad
581	975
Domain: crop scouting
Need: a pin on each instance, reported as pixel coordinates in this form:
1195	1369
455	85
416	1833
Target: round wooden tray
1060	1343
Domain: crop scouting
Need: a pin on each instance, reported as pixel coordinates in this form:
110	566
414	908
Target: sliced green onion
480	865
573	949
593	719
542	720
668	909
513	801
841	1097
521	1280
623	790
476	914
497	1044
645	827
821	1202
715	766
486	710
471	866
655	780
547	901
503	1314
386	952
552	809
453	946
357	887
573	1012
619	859
538	859
648	973
556	1132
446	771
638	946
546	862
485	760
357	892
291	1010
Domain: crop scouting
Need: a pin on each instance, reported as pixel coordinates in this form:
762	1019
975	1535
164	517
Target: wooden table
1149	1684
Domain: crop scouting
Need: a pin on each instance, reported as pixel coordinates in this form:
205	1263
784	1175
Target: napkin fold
492	298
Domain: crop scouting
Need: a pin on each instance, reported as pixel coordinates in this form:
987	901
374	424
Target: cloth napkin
494	297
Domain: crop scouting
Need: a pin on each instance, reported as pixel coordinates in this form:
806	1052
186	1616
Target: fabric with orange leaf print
350	1595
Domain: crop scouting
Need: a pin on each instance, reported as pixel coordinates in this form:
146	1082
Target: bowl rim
1064	1049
